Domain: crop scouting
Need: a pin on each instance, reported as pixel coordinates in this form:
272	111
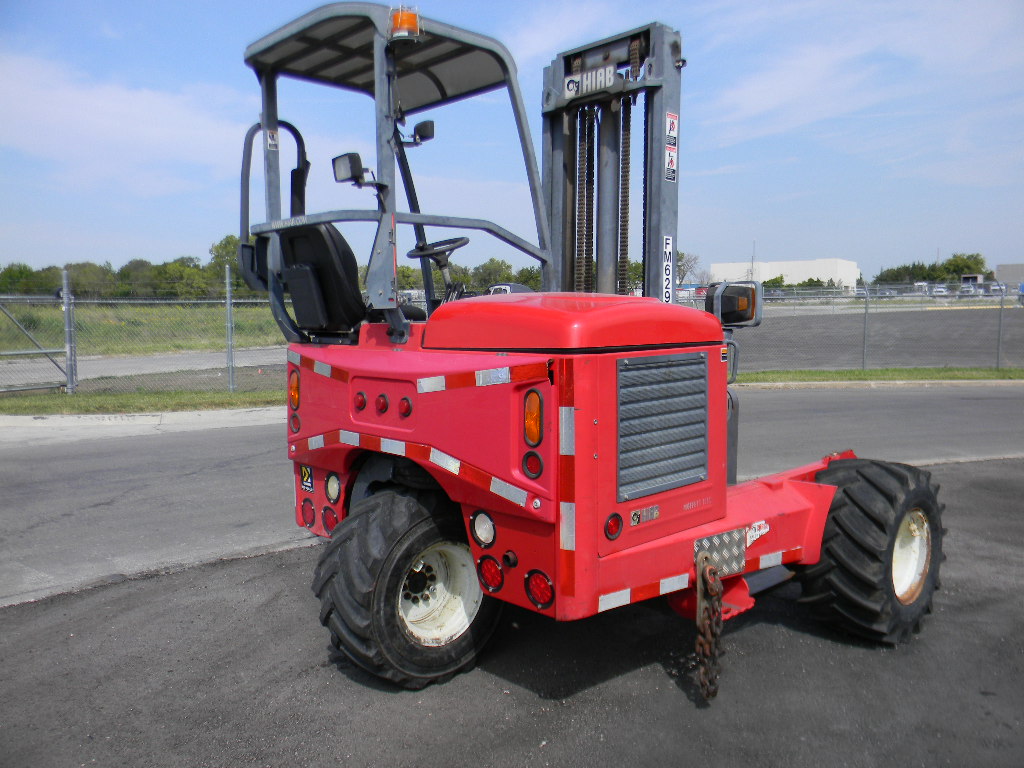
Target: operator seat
321	275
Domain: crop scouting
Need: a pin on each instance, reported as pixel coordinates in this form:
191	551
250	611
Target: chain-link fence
235	345
130	345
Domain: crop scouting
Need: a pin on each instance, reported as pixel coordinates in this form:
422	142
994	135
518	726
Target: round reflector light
333	488
483	529
382	403
613	526
359	401
330	519
539	589
308	513
294	423
404	406
293	389
532	465
491	575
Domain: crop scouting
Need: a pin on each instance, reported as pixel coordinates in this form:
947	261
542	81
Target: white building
842	272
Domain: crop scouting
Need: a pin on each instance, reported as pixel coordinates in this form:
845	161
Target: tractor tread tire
351	572
851	586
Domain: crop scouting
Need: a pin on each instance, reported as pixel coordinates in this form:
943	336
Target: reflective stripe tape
675	583
322	368
567	526
485	378
294	357
444	461
567	431
770	561
613	600
508	491
493	376
395	447
469	473
430	384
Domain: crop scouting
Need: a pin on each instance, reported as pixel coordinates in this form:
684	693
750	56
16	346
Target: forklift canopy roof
334	45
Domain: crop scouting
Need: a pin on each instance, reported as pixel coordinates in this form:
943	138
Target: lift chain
624	169
588	236
709	626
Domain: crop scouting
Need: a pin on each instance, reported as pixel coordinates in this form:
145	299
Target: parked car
940	290
509	288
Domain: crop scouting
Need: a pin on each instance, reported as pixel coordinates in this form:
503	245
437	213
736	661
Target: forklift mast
589	98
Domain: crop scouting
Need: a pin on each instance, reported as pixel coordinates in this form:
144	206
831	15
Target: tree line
948	271
185	278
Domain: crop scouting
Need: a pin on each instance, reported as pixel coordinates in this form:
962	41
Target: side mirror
735	303
348	167
423	131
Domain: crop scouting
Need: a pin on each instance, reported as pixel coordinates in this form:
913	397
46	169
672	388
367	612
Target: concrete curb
881	384
243	417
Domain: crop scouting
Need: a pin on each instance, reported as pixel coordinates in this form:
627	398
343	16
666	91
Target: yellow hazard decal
306	478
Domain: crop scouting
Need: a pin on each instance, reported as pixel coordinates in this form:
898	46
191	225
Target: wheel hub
440	594
911	556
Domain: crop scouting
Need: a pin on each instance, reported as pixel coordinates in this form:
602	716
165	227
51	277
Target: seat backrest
321	275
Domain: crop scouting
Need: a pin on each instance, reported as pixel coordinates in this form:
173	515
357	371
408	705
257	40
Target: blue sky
881	132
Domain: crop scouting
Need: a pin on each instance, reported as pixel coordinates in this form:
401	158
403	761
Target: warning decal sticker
671	163
671	130
306	478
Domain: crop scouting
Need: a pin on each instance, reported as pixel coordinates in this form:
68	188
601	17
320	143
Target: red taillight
539	589
330	519
532	465
308	513
404	406
613	526
491	575
294	423
359	401
382	403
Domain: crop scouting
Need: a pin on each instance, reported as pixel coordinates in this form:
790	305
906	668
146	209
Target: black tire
881	550
374	583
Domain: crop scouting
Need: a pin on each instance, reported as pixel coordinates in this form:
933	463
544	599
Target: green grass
118	329
883	374
160	402
56	403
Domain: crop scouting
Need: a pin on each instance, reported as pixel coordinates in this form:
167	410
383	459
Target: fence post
70	342
999	332
864	343
229	320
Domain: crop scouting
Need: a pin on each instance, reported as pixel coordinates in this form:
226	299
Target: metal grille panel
662	423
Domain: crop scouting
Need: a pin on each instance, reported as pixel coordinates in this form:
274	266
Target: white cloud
94	133
928	88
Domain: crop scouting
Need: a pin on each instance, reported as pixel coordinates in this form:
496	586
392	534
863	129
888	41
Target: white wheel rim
440	595
910	556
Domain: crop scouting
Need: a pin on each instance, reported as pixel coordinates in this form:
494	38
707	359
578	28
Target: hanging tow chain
709	626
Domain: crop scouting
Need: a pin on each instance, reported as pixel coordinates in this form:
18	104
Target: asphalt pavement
189	636
225	664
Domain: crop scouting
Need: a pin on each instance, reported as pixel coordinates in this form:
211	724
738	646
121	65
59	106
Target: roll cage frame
351	46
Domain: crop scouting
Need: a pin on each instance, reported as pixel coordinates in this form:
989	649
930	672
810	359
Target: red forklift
568	451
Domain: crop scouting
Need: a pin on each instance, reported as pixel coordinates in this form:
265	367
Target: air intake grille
663	423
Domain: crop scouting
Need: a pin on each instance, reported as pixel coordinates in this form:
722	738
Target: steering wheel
438	251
